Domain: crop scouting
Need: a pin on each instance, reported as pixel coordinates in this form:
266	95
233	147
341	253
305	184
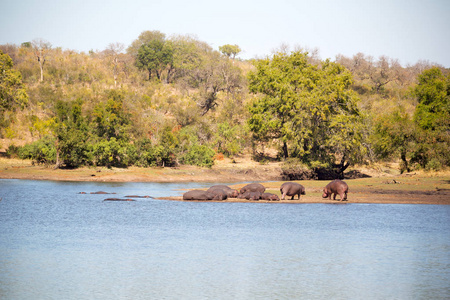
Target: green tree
111	119
12	91
309	109
114	153
72	135
230	50
432	91
155	56
187	57
432	116
165	151
144	38
394	136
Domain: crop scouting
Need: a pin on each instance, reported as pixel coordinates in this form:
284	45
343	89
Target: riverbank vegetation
170	101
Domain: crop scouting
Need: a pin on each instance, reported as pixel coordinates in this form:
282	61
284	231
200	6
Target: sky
407	30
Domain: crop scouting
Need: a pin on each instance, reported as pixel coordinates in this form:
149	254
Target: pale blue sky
408	30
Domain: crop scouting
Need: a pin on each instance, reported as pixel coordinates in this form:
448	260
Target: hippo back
253	187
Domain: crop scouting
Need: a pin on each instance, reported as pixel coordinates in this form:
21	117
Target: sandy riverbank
413	189
380	187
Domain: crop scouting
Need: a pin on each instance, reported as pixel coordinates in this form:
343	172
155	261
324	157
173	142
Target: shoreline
381	187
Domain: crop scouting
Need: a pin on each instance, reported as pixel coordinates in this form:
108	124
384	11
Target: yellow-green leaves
316	113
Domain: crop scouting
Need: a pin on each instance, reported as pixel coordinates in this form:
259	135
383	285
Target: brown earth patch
379	185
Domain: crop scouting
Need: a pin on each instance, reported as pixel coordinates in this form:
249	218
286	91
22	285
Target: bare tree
112	53
41	49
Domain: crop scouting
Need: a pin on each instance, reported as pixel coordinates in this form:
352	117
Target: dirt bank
409	189
380	185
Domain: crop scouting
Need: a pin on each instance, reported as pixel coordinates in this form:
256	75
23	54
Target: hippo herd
256	191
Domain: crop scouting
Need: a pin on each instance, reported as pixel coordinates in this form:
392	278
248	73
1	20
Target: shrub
434	164
114	153
12	151
42	151
199	155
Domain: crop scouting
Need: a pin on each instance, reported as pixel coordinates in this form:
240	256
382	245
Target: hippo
270	197
253	187
291	189
336	187
118	199
231	193
203	195
249	195
254	196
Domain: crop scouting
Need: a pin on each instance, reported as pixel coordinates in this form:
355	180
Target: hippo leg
334	196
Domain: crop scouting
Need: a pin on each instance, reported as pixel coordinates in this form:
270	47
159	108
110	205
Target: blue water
58	244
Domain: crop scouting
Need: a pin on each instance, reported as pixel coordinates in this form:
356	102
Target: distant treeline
165	101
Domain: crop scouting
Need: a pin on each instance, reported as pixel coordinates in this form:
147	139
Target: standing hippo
231	193
291	189
336	187
270	197
253	187
203	195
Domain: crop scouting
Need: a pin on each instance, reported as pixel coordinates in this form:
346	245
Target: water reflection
56	243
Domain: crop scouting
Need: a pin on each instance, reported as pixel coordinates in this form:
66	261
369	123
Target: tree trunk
58	163
41	66
405	166
285	150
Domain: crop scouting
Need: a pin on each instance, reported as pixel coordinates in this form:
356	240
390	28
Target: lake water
58	244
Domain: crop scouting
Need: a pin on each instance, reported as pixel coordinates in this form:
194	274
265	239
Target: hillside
170	102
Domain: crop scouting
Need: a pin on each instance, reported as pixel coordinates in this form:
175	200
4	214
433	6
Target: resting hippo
250	195
291	189
336	187
203	195
270	197
231	193
253	187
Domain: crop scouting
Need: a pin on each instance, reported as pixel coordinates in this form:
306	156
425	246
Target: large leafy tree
310	110
433	94
12	91
144	38
432	116
155	56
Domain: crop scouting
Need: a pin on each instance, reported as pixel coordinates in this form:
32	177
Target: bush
145	154
41	152
114	153
164	156
434	164
199	155
12	151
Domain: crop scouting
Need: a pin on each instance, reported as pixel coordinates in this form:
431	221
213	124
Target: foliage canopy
310	109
